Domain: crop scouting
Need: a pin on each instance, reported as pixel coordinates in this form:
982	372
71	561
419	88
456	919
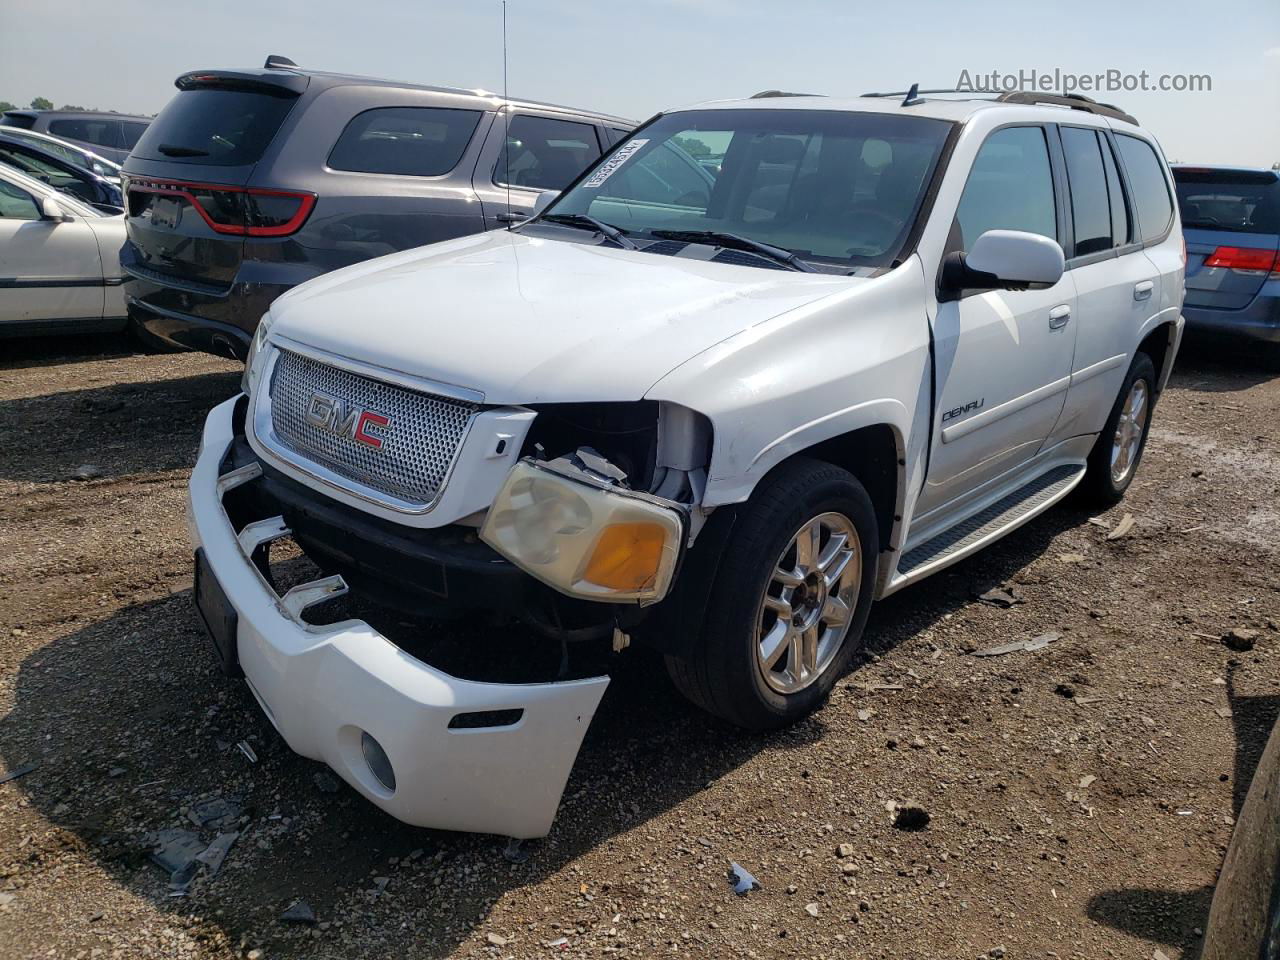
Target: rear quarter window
1148	185
207	126
406	141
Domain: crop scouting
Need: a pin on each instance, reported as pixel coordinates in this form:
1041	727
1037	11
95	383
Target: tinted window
831	186
100	130
1227	200
545	154
1120	232
1009	188
230	127
1147	181
25	121
1090	203
409	141
132	131
16	204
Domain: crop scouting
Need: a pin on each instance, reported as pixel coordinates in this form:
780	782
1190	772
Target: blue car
1231	224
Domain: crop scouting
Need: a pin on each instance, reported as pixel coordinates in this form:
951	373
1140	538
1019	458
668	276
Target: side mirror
543	201
1003	260
50	210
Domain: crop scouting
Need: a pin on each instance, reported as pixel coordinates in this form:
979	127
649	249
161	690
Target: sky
634	59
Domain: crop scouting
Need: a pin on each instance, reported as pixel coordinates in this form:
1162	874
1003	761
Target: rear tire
795	584
1117	452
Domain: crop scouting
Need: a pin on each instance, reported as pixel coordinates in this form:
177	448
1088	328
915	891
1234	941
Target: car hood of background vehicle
526	319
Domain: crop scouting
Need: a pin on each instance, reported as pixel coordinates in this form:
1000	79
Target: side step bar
972	534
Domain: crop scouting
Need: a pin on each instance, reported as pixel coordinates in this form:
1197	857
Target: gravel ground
1079	797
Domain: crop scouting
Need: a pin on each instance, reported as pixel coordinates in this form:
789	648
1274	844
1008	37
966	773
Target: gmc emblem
346	420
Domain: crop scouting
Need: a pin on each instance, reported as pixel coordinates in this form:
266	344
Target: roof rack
770	94
1073	101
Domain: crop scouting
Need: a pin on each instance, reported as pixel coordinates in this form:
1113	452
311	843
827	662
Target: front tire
789	603
1116	454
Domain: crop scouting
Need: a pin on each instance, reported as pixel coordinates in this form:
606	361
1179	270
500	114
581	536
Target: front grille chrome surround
419	447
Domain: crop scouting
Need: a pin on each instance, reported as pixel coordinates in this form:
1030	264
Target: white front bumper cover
323	686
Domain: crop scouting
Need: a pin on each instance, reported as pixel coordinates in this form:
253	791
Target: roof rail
770	94
914	90
1073	100
275	60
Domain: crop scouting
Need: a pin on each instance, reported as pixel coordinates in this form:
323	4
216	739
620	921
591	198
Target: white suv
767	361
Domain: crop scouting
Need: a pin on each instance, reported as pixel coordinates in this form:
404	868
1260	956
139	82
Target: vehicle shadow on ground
166	725
55	349
119	429
1212	365
1171	916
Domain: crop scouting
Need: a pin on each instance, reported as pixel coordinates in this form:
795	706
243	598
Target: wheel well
871	455
1156	346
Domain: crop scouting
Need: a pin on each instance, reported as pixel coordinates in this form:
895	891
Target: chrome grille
418	447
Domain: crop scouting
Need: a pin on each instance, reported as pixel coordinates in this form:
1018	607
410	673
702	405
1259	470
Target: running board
972	534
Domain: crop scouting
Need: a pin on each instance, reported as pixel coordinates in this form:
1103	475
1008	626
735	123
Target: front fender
857	358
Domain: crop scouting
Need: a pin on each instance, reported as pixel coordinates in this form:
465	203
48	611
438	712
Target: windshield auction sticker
611	165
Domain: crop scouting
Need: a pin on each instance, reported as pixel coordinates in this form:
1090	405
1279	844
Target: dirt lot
1080	797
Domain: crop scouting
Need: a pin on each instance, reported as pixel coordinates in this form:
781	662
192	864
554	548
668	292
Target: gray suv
250	182
111	135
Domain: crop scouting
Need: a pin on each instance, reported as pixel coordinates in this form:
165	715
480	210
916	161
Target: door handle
1059	316
1143	290
513	216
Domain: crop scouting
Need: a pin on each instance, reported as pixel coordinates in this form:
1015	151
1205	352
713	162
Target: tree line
44	103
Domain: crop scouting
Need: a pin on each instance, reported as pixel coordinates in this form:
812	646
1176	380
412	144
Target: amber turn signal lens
627	556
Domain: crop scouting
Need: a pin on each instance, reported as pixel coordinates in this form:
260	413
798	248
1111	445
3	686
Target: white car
59	261
713	408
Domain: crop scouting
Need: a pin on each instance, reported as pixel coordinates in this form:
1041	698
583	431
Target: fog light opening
378	761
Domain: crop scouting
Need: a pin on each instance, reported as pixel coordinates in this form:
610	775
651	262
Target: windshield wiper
173	150
733	241
591	223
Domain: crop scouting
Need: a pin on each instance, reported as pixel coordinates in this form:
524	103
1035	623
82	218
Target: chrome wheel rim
808	605
1129	431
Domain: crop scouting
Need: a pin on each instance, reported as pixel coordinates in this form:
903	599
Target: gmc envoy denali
766	361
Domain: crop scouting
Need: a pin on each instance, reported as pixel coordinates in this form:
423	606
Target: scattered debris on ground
1096	819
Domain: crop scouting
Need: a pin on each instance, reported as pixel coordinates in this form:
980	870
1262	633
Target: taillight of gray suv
250	182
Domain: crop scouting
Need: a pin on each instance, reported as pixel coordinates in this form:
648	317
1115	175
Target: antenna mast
506	113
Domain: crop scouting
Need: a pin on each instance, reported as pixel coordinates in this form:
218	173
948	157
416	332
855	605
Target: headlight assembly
253	362
587	540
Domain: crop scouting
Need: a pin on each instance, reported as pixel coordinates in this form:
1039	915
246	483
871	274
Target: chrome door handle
1143	290
1059	316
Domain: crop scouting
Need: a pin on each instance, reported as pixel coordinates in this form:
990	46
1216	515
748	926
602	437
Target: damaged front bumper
332	690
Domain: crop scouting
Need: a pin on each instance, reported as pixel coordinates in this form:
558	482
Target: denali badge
336	416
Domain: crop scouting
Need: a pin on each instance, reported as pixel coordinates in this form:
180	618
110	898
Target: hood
524	319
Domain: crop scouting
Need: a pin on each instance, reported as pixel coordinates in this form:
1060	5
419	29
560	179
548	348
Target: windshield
834	187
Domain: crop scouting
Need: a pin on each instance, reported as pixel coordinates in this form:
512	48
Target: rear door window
1093	204
1233	201
103	131
1121	231
1009	188
542	153
221	127
1150	189
407	141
